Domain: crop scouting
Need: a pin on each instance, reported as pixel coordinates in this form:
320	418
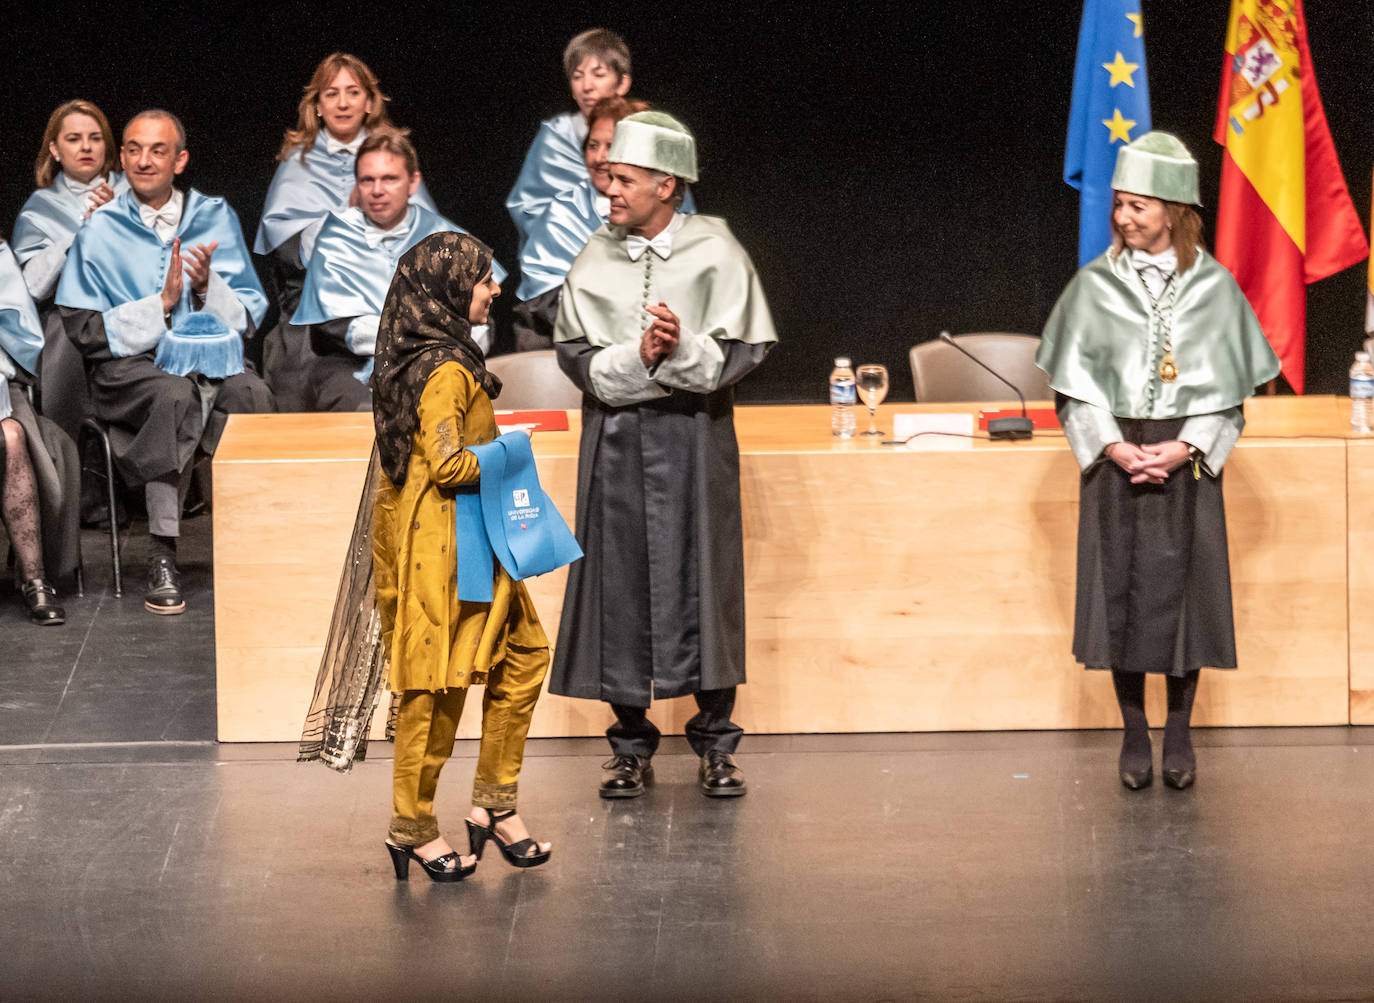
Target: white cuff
44	269
1214	434
361	336
695	365
224	303
1089	429
135	327
618	377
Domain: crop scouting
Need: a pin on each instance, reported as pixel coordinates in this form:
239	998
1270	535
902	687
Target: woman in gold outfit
431	398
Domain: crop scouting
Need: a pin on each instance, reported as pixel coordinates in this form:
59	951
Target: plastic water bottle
1361	393
842	398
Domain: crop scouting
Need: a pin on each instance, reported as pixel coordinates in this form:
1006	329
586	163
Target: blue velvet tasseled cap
200	343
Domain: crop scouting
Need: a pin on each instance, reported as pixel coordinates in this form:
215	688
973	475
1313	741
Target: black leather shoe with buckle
720	777
625	776
164	587
40	599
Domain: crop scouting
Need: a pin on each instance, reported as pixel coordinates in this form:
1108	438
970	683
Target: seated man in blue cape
597	63
153	263
558	235
352	261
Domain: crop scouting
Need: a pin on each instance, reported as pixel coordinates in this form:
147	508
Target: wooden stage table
887	589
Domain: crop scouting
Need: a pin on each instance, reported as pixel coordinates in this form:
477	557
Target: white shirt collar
1166	260
332	145
375	235
79	190
602	204
661	244
163	221
1155	270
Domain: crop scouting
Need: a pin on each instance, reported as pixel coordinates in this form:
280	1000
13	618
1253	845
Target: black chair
91	425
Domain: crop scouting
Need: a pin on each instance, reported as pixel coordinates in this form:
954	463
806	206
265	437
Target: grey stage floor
143	861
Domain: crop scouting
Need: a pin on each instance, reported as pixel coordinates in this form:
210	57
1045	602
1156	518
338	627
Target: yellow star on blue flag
1111	106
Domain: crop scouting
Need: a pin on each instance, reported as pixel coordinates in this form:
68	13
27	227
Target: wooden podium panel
887	589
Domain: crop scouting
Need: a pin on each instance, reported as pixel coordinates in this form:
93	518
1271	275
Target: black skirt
1154	579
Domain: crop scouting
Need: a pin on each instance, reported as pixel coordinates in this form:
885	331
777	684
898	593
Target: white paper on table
959	426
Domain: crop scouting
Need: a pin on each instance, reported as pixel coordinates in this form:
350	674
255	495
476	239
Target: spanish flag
1369	298
1285	218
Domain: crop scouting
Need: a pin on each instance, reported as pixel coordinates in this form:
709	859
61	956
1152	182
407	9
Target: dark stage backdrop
892	170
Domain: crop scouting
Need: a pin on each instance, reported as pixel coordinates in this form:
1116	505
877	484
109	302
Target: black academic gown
656	607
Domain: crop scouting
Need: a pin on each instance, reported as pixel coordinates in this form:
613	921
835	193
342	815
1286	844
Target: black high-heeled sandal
438	869
516	854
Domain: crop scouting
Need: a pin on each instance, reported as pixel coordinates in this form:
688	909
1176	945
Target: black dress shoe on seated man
40	599
625	776
720	777
164	587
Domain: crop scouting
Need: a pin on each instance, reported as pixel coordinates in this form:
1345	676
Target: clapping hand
662	336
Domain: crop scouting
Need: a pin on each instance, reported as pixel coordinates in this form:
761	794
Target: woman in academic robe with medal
1151	350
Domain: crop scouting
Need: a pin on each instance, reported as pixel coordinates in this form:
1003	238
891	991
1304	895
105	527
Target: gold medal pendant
1168	372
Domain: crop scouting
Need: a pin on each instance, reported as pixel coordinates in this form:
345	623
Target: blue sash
510	517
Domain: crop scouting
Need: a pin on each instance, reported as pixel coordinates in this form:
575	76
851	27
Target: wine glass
872	384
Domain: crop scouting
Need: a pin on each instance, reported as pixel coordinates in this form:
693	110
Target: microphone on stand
998	428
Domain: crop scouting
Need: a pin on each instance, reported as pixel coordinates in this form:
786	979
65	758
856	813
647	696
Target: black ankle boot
1135	765
1180	762
40	599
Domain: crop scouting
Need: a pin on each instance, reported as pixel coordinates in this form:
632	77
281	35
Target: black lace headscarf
425	324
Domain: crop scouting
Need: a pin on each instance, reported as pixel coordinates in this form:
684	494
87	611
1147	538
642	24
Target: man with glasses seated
159	293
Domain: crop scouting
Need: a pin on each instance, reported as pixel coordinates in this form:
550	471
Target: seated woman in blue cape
38	466
159	294
597	63
341	106
557	237
351	265
75	173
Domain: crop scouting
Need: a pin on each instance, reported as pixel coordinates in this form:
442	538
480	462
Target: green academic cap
1159	165
657	142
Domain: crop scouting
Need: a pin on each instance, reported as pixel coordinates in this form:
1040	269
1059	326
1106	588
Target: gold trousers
426	724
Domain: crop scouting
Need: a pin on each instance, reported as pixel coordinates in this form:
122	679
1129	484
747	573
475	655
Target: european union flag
1111	107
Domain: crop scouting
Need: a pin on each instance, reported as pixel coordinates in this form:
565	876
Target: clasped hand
97	197
662	336
1151	463
196	265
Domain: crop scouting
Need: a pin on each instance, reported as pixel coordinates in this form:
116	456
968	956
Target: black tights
19	500
1178	739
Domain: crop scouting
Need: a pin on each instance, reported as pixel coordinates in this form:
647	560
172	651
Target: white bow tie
662	245
79	189
162	221
374	236
332	145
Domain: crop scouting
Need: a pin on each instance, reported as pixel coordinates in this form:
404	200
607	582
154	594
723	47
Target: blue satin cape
302	193
117	258
554	162
346	278
21	333
51	214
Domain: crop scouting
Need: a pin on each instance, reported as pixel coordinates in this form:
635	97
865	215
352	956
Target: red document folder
535	421
1041	417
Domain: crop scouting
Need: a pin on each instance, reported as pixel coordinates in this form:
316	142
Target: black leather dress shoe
40	599
625	776
164	587
720	777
